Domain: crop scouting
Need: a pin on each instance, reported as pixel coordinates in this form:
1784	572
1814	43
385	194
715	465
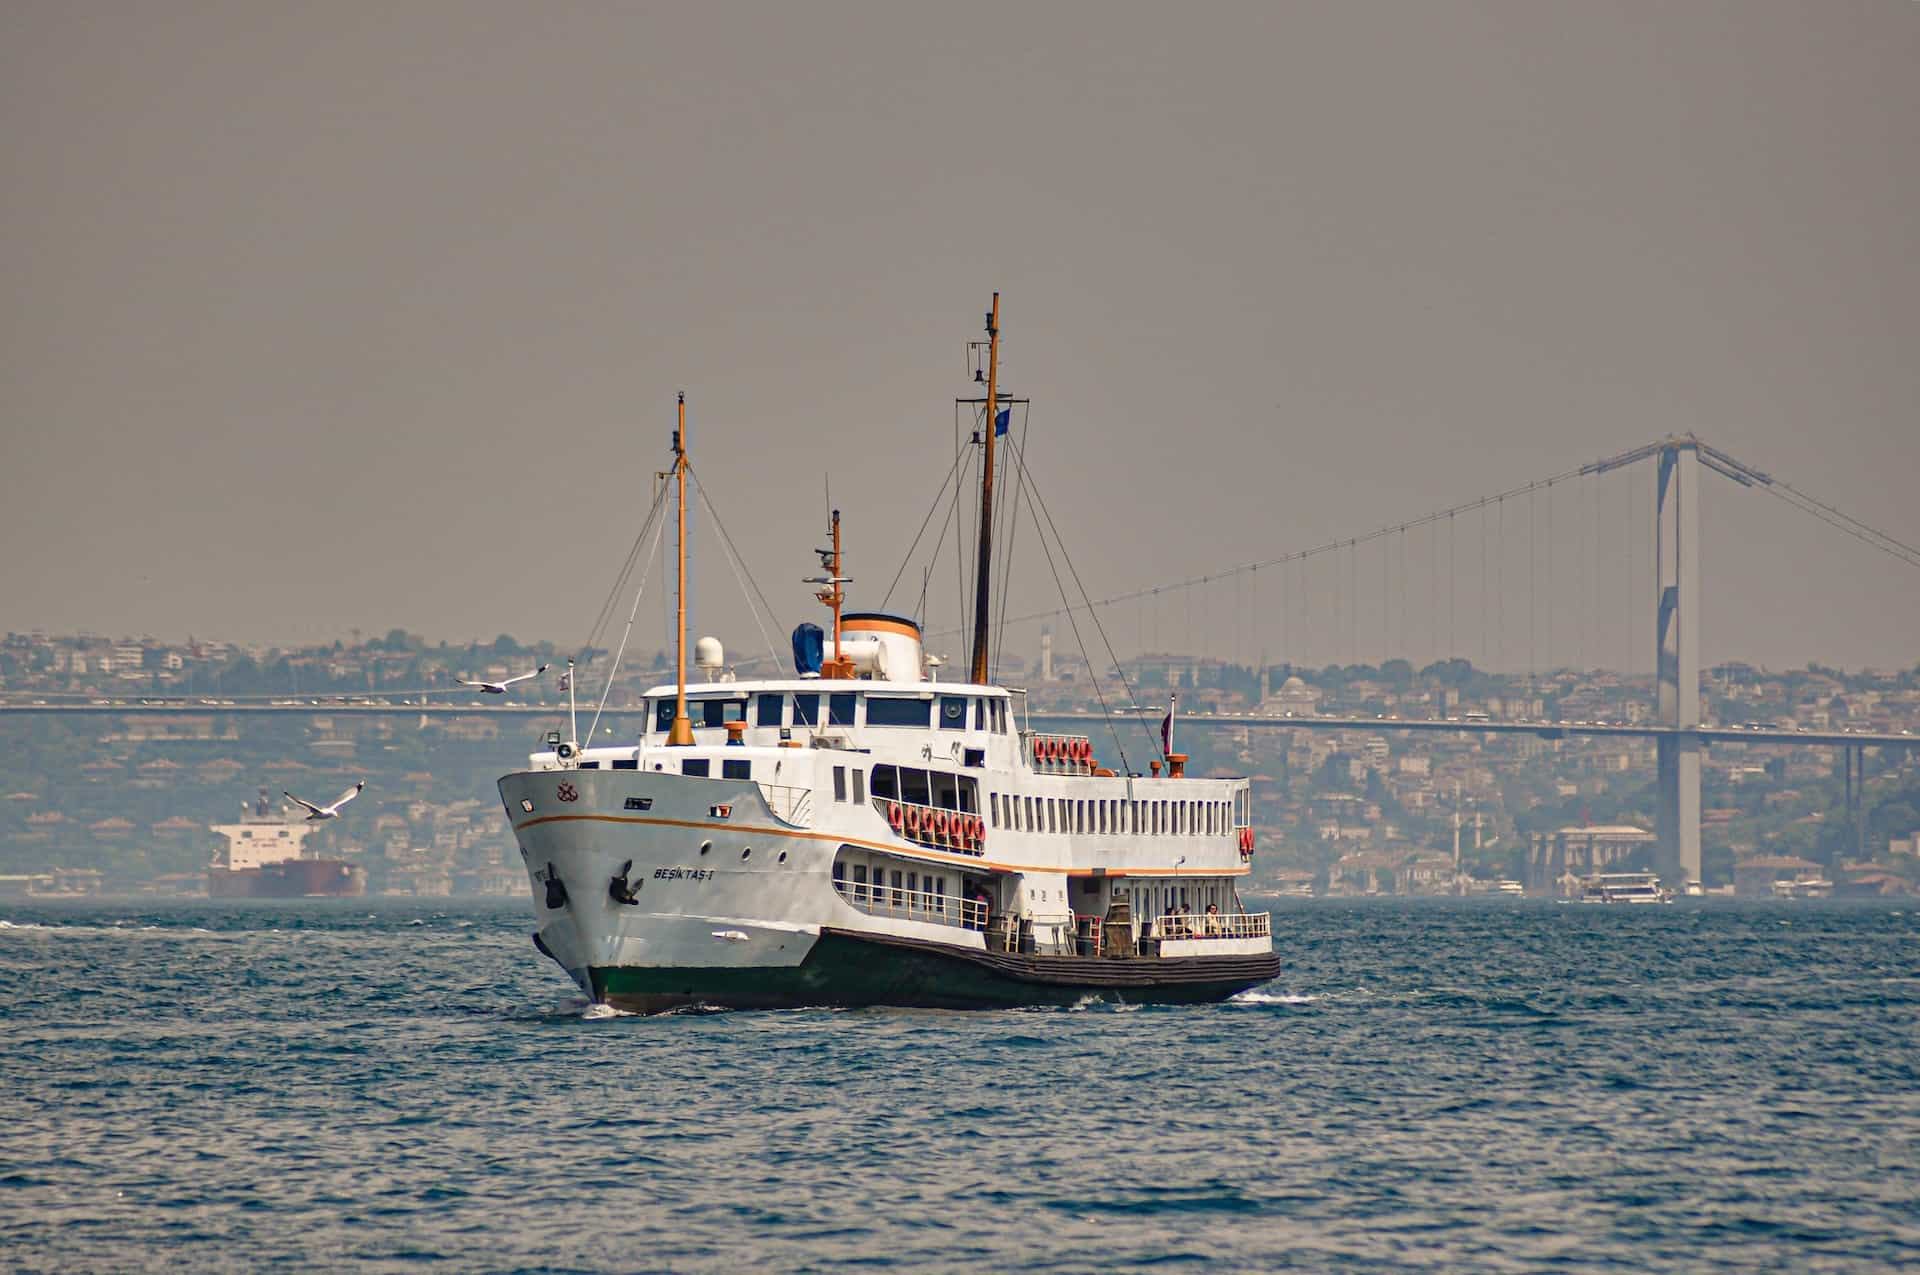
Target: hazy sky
322	317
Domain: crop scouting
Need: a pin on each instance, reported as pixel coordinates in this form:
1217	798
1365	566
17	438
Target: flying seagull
327	812
500	688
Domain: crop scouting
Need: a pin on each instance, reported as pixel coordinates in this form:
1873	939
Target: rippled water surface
1472	1085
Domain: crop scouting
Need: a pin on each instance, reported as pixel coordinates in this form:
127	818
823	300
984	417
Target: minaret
1456	828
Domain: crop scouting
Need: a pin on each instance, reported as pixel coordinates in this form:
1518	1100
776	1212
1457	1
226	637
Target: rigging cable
1010	527
626	571
659	530
1037	501
740	569
939	497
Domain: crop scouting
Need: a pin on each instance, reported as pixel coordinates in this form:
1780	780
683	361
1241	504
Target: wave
1257	997
597	1011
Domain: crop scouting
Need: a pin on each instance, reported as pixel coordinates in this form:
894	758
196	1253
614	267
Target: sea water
1473	1085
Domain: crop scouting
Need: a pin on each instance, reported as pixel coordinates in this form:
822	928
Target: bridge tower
1676	551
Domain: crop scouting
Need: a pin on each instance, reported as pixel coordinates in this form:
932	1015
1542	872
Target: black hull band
846	969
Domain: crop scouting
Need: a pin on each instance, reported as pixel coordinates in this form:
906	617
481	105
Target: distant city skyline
344	317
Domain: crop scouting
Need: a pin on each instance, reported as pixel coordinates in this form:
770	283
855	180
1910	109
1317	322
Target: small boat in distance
1808	885
858	833
1624	887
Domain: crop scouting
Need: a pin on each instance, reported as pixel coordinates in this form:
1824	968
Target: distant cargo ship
262	859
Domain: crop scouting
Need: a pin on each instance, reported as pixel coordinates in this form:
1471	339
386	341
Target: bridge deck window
895	710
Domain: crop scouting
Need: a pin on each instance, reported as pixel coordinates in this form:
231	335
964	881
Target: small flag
1001	420
1166	727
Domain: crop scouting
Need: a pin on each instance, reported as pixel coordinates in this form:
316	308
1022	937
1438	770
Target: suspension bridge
1417	572
1667	584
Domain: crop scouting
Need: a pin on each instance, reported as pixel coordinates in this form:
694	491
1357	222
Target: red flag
1166	727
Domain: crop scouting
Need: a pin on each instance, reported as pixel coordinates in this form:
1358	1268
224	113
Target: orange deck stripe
914	852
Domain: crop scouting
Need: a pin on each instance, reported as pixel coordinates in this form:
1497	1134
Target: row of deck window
1112	816
934	788
944	791
843	708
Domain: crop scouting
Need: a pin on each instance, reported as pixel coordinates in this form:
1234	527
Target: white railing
794	805
1204	925
913	905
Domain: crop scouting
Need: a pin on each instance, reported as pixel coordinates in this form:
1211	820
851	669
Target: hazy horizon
348	317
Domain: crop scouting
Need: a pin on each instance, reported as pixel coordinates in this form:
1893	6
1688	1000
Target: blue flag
1000	421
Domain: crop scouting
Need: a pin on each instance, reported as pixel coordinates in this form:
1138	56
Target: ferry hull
730	907
851	970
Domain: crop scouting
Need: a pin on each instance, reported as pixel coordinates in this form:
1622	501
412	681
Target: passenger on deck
984	908
1210	923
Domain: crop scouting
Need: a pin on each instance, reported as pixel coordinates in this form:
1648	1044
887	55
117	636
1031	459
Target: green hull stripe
849	970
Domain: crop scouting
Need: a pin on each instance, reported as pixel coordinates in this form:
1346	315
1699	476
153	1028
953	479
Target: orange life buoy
979	830
894	817
913	821
1085	750
1044	751
962	830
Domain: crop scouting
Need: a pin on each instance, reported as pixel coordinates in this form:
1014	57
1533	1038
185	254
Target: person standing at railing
1210	923
982	907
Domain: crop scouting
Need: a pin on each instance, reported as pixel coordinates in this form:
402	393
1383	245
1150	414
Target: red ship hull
291	879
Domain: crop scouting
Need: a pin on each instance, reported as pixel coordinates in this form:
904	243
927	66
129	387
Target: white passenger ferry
1624	887
858	834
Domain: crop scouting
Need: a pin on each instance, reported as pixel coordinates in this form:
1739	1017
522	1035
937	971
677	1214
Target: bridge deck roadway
1543	730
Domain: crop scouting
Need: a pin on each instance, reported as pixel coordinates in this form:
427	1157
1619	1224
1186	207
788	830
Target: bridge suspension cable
1343	622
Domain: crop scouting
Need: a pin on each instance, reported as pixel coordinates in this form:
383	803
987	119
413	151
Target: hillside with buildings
122	803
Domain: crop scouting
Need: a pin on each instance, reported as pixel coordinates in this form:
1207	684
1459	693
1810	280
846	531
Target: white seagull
500	688
327	812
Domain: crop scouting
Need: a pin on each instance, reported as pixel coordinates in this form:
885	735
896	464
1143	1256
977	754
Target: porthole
705	846
746	853
783	857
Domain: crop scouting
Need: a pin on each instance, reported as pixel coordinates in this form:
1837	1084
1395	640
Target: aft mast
983	593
